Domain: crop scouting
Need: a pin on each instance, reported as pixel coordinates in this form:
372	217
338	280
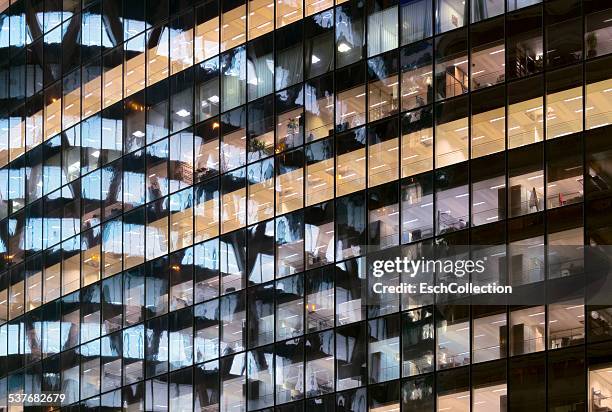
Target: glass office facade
191	192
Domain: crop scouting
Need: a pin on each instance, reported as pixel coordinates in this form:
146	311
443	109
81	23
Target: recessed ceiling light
343	47
183	113
138	133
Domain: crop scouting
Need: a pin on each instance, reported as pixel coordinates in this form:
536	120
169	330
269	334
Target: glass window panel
260	129
289	52
417	83
417	142
156	287
206	41
417	342
289	118
350	161
351	356
453	336
319	171
206	210
487	52
563	22
233	23
181	38
482	9
382	26
289	244
517	4
158	51
451	64
417	208
112	77
319	39
383	86
206	149
112	247
233	67
260	18
260	72
489	339
133	353
180	336
383	349
350	32
157	350
233	139
488	190
206	261
416	20
350	226
181	219
181	100
383	152
525	181
181	160
319	105
232	257
350	98
157	228
320	363
260	253
489	388
564	104
261	191
289	186
418	394
564	172
319	234
261	315
288	11
134	64
157	111
207	89
524	40
598	88
260	366
233	200
488	122
451	132
319	301
525	112
71	99
289	307
566	323
289	370
134	122
450	14
527	330
597	22
452	199
383	216
206	337
233	321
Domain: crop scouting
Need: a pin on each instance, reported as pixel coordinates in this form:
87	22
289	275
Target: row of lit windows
119	231
247	70
273	249
312	362
420	140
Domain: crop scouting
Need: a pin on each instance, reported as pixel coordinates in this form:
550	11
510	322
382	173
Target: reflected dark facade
191	193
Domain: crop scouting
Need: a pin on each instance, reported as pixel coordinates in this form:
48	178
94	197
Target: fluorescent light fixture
343	47
183	113
138	133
